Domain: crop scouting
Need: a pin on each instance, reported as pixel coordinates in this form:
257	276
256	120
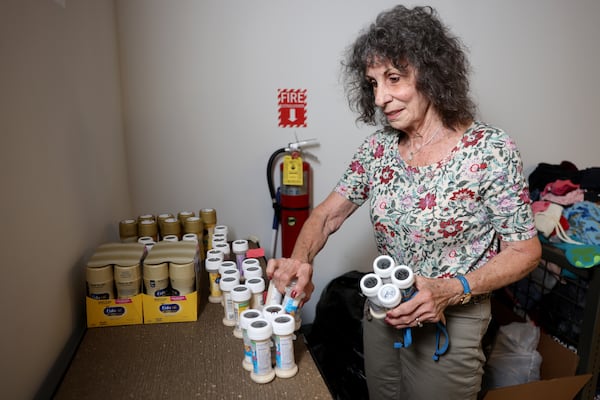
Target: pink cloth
560	187
572	197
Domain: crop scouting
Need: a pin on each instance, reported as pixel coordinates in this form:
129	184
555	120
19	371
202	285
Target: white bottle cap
283	324
190	237
253	272
222	229
383	266
228	283
223	248
248	316
272	311
212	264
214	253
256	285
240	246
260	329
389	295
370	284
225	265
241	293
230	272
403	277
250	262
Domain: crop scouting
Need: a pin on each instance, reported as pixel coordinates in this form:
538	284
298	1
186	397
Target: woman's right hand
282	271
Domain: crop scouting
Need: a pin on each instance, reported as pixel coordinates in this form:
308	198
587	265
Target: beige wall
63	178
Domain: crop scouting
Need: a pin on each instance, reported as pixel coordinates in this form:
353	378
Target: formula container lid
127	273
128	228
99	274
214	253
248	316
225	265
156	271
383	266
239	246
229	272
260	329
223	248
208	216
182	252
228	283
193	225
212	264
250	262
170	238
182	216
403	277
271	311
370	284
389	295
147	227
123	254
222	229
241	293
190	237
256	285
182	271
171	226
253	272
283	324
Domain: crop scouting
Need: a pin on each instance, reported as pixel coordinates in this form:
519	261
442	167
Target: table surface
182	360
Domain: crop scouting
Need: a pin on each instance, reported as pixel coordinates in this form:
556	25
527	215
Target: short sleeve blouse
446	218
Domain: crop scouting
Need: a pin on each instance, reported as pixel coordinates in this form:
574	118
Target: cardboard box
559	365
113	312
180	308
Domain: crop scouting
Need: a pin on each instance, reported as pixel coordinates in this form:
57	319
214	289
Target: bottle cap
228	283
271	311
248	316
240	246
383	266
256	285
403	277
229	272
212	253
225	265
223	248
260	329
212	264
389	295
283	324
370	284
253	272
241	293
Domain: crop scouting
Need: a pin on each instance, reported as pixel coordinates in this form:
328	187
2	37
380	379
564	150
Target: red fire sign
292	108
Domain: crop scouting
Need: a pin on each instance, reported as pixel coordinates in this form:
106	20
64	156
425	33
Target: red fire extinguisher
292	200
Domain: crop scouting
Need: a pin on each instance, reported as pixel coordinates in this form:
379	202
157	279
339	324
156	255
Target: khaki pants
411	373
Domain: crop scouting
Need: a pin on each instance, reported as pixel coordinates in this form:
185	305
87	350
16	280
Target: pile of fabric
566	206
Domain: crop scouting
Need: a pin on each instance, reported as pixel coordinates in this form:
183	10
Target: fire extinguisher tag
292	171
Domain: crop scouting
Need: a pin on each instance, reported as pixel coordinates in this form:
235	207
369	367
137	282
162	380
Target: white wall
201	82
63	177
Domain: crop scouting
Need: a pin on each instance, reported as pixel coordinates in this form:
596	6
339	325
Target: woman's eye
394	78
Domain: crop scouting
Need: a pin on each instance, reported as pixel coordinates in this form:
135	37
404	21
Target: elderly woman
447	198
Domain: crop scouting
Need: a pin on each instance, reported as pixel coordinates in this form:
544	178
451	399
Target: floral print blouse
442	219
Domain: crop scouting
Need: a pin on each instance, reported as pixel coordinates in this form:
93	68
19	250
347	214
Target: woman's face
396	94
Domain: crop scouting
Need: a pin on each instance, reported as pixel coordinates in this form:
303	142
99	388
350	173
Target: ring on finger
419	323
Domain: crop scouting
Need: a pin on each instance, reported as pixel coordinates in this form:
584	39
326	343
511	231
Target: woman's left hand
426	306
